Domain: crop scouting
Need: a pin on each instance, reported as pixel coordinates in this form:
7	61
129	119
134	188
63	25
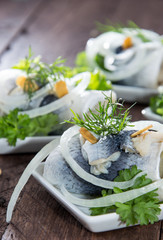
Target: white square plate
99	223
29	144
134	94
148	114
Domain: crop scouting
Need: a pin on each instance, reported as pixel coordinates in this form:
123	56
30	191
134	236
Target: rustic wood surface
60	28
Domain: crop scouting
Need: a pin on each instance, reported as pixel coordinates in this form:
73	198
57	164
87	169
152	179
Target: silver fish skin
108	145
151	162
58	172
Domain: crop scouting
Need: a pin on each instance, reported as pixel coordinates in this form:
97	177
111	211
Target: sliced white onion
8	82
65	138
94	46
40	156
51	107
23	99
85	79
65	100
111	199
141	57
11	102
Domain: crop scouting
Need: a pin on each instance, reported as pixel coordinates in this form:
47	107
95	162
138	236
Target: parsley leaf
18	126
143	210
98	80
156	104
99	59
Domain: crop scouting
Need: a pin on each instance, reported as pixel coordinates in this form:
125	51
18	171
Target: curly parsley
142	210
19	126
156	104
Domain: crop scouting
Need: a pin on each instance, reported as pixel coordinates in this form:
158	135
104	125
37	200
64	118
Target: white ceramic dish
99	223
134	94
148	114
29	144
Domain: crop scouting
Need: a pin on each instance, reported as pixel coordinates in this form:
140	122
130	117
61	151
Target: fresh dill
40	73
120	28
108	118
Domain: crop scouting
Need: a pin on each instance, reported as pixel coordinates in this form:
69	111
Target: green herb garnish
98	80
156	104
109	118
38	72
99	59
18	126
120	28
143	210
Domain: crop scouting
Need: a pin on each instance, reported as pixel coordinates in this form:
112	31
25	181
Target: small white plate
29	144
134	94
99	223
148	114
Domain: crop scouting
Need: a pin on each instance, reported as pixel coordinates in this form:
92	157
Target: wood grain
56	41
13	17
54	28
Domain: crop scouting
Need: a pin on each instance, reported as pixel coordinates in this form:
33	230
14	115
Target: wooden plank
13	16
11	175
12	167
59	30
48	219
58	25
146	14
135	111
12	233
161	231
9	161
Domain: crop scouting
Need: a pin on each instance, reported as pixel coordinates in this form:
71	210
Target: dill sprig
116	27
39	72
108	118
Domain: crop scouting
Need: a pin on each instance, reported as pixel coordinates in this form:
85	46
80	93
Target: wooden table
59	28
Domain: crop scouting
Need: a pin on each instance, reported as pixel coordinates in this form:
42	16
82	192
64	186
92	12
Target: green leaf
99	59
98	82
126	213
141	210
19	126
81	60
156	104
127	174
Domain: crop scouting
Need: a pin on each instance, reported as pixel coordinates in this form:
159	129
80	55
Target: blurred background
61	27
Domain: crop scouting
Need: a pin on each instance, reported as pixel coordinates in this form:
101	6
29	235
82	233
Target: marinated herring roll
88	157
129	56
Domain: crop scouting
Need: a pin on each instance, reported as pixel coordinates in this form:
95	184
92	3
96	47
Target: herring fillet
65	138
58	172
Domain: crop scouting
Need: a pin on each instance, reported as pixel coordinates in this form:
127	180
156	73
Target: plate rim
134	93
147	113
90	222
26	145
